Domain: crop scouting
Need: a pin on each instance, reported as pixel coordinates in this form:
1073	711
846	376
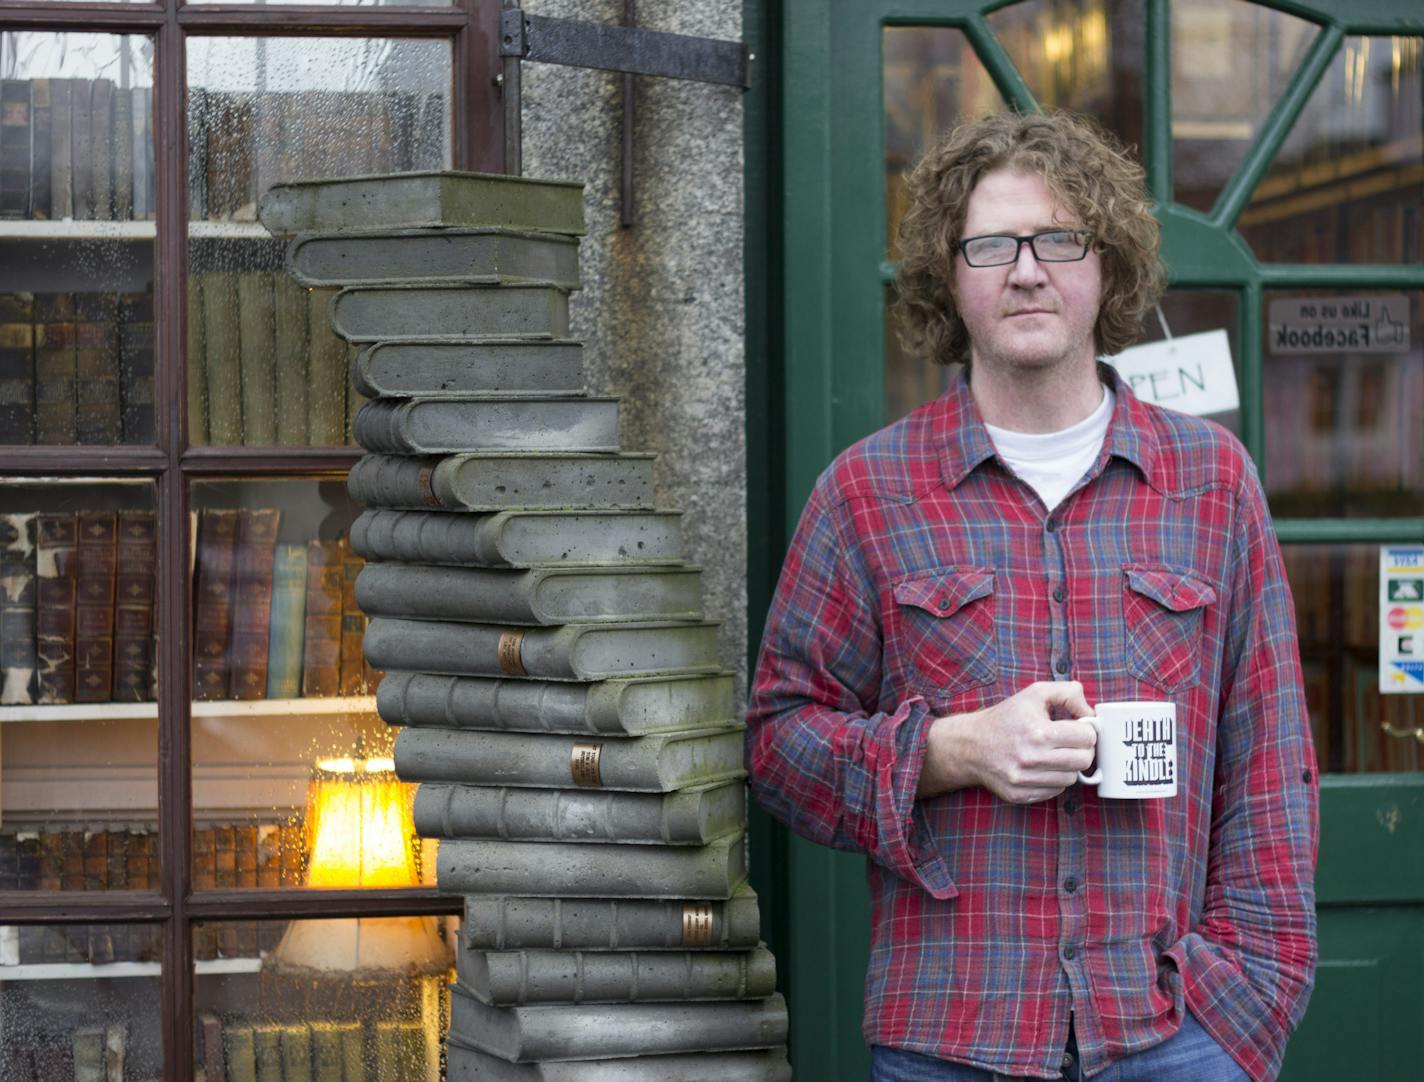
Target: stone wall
661	311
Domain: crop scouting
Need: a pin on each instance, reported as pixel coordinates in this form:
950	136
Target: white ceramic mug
1137	750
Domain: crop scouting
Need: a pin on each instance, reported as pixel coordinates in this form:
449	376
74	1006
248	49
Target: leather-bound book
137	560
321	649
56	357
97	410
56	564
17	368
217	534
252	602
94	606
136	367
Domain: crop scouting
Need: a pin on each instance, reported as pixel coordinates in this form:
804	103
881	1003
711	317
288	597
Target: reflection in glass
1347	185
78	654
377	1017
265	367
63	1019
1336	589
1193	311
76	249
1084	55
909	381
932	76
1231	60
1344	426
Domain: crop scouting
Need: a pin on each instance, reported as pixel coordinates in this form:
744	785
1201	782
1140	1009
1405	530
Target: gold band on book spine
427	490
696	924
583	765
511	660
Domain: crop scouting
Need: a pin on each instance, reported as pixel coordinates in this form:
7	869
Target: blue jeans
1190	1055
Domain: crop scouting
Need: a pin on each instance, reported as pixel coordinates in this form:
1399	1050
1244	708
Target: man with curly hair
964	583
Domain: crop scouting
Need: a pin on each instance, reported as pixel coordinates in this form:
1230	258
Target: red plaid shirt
924	580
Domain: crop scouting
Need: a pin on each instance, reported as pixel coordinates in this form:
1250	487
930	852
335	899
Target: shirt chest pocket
945	621
1162	618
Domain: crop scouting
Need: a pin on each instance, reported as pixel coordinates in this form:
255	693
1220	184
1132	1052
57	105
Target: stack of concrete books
560	696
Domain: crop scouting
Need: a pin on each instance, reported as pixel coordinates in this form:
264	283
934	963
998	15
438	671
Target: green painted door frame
816	243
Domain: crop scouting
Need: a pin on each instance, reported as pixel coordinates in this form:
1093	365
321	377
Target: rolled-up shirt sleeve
1249	964
821	757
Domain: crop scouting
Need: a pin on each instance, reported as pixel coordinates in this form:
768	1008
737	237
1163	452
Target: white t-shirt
1051	463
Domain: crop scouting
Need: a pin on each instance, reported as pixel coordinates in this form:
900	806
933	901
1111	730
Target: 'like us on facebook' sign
1376	324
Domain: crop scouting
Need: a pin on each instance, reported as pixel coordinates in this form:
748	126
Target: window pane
264	366
932	75
909	381
352	998
1343	385
1231	60
1336	590
65	1016
78	649
281	685
76	239
1084	55
1193	311
1347	185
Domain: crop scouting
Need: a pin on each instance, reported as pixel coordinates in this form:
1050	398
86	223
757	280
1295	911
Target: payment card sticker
1401	620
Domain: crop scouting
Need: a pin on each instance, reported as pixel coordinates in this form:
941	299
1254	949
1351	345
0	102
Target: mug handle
1097	775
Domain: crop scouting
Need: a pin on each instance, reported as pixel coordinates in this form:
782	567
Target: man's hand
1014	749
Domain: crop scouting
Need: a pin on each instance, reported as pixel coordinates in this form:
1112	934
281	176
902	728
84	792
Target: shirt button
1069	951
1061	666
1070	884
1051	525
943	603
1060	595
1070	806
1067	1061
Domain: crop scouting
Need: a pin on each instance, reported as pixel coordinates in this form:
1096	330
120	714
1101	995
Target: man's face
1025	314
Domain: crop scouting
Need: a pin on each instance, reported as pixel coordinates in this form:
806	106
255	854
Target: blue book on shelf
289	604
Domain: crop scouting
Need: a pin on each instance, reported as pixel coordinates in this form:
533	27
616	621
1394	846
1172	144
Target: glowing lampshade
359	834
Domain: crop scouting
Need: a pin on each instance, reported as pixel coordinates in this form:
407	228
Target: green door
1285	145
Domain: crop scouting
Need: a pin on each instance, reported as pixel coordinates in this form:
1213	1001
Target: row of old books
559	692
90	1053
237	1049
264	366
76	368
75	148
240	144
274	620
77	606
105	857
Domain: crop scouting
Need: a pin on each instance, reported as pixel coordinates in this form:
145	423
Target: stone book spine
477	256
468	1064
571	652
505	923
518	539
544	595
554	869
571	1031
212	629
363	314
17	609
500	482
691	817
321	648
510	978
425	199
612	707
134	606
657	763
95	582
55	582
253	557
502	366
425	426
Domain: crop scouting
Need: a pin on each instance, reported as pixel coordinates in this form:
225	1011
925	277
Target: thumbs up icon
1388	331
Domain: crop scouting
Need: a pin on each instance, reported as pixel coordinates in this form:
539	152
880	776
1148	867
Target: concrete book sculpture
564	705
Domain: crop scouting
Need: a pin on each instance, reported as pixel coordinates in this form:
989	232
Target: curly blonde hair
1089	173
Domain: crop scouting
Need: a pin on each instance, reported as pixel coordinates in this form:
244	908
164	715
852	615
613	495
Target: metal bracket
626	49
581	44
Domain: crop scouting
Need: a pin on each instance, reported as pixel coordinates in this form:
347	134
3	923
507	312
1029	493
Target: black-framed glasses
1050	246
